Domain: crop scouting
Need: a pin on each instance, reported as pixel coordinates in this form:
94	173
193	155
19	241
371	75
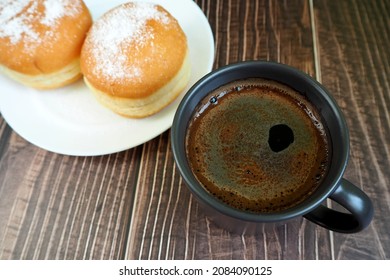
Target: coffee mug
333	186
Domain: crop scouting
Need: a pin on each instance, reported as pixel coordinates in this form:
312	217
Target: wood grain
61	207
280	32
355	66
134	204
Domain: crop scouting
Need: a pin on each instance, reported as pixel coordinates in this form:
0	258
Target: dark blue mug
334	186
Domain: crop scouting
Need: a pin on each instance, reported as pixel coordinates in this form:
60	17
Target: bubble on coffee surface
230	147
213	100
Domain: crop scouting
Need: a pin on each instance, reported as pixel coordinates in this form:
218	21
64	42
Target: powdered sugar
123	25
17	18
57	9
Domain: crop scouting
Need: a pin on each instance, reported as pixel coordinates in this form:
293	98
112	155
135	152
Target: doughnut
135	59
41	40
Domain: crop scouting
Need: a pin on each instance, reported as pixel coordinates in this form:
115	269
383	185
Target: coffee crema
257	145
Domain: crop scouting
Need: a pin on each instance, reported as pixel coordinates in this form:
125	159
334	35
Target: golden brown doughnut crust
133	50
42	36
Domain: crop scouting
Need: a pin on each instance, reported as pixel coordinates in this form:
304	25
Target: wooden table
134	204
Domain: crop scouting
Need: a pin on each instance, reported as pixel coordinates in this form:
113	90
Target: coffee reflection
280	137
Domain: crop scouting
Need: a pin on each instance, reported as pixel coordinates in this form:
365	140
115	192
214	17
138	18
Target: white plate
70	121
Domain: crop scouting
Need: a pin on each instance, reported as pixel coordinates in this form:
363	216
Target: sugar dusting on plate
17	19
125	24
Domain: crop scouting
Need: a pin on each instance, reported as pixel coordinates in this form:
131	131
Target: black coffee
257	145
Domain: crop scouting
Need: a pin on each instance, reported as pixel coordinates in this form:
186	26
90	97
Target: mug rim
179	150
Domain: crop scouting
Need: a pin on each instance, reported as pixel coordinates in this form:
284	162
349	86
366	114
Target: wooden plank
5	134
60	207
354	57
167	222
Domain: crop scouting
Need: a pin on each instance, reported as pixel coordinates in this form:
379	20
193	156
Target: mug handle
351	198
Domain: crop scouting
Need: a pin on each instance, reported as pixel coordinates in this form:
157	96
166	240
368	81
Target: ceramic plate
70	121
